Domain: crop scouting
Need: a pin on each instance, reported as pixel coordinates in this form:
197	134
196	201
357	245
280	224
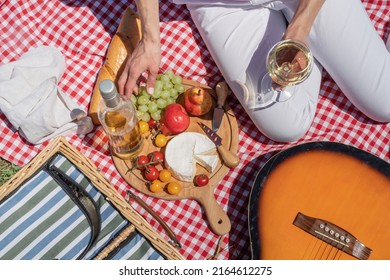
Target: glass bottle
119	120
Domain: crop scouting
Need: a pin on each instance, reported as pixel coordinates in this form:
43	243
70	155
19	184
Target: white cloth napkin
31	99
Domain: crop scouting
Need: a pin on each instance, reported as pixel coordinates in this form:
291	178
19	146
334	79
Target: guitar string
337	251
318	248
325	255
306	253
340	254
331	253
341	251
327	251
312	252
320	251
331	249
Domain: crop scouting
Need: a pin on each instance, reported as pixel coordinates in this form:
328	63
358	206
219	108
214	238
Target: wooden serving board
217	218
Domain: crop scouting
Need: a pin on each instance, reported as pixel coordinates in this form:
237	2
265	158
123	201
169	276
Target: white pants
343	41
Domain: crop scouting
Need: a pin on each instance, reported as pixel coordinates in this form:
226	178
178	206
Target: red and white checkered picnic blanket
82	30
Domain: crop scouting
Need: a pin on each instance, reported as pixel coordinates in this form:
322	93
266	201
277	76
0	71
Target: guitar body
339	184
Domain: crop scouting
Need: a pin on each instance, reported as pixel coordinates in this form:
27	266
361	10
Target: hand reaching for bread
131	54
145	57
121	47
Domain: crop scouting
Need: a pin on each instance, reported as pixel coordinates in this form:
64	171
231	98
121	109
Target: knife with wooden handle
229	158
221	90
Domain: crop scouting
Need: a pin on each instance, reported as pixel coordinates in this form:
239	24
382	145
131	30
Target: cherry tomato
156	186
152	123
161	140
165	175
157	157
142	160
143	126
174	187
201	180
151	173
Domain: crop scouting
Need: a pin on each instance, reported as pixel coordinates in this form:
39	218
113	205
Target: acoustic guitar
321	200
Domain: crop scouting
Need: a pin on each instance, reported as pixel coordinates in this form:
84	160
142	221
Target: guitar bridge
333	235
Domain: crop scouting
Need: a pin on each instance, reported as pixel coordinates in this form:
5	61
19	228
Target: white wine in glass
289	62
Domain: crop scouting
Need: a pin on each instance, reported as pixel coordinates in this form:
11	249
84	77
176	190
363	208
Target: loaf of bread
121	46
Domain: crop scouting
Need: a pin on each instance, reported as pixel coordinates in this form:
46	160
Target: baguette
121	46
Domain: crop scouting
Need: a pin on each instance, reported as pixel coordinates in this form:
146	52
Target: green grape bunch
167	89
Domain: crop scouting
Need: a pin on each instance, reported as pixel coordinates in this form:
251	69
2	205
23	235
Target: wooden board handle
216	216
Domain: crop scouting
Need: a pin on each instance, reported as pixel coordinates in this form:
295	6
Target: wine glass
289	62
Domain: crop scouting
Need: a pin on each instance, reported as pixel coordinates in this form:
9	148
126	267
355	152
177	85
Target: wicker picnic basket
136	221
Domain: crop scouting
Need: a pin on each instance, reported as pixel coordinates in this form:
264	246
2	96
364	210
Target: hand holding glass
289	62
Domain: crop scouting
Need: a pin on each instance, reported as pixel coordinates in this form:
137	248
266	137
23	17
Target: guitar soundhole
333	235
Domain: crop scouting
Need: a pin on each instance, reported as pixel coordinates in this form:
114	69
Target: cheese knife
229	158
221	90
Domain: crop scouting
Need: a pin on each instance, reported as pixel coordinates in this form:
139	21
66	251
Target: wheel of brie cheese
184	151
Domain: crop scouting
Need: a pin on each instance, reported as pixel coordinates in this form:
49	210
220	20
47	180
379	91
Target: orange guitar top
350	192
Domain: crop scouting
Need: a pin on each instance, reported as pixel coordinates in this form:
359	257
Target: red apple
197	101
174	120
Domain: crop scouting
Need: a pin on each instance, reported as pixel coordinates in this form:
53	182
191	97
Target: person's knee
381	114
284	131
376	109
287	121
290	135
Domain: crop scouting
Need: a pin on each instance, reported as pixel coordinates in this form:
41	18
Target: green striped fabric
40	221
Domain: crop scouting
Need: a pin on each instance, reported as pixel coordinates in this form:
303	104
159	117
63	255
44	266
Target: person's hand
297	35
303	19
300	61
145	57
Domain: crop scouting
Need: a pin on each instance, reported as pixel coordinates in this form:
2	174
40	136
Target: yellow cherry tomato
174	187
143	126
161	140
165	175
156	186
